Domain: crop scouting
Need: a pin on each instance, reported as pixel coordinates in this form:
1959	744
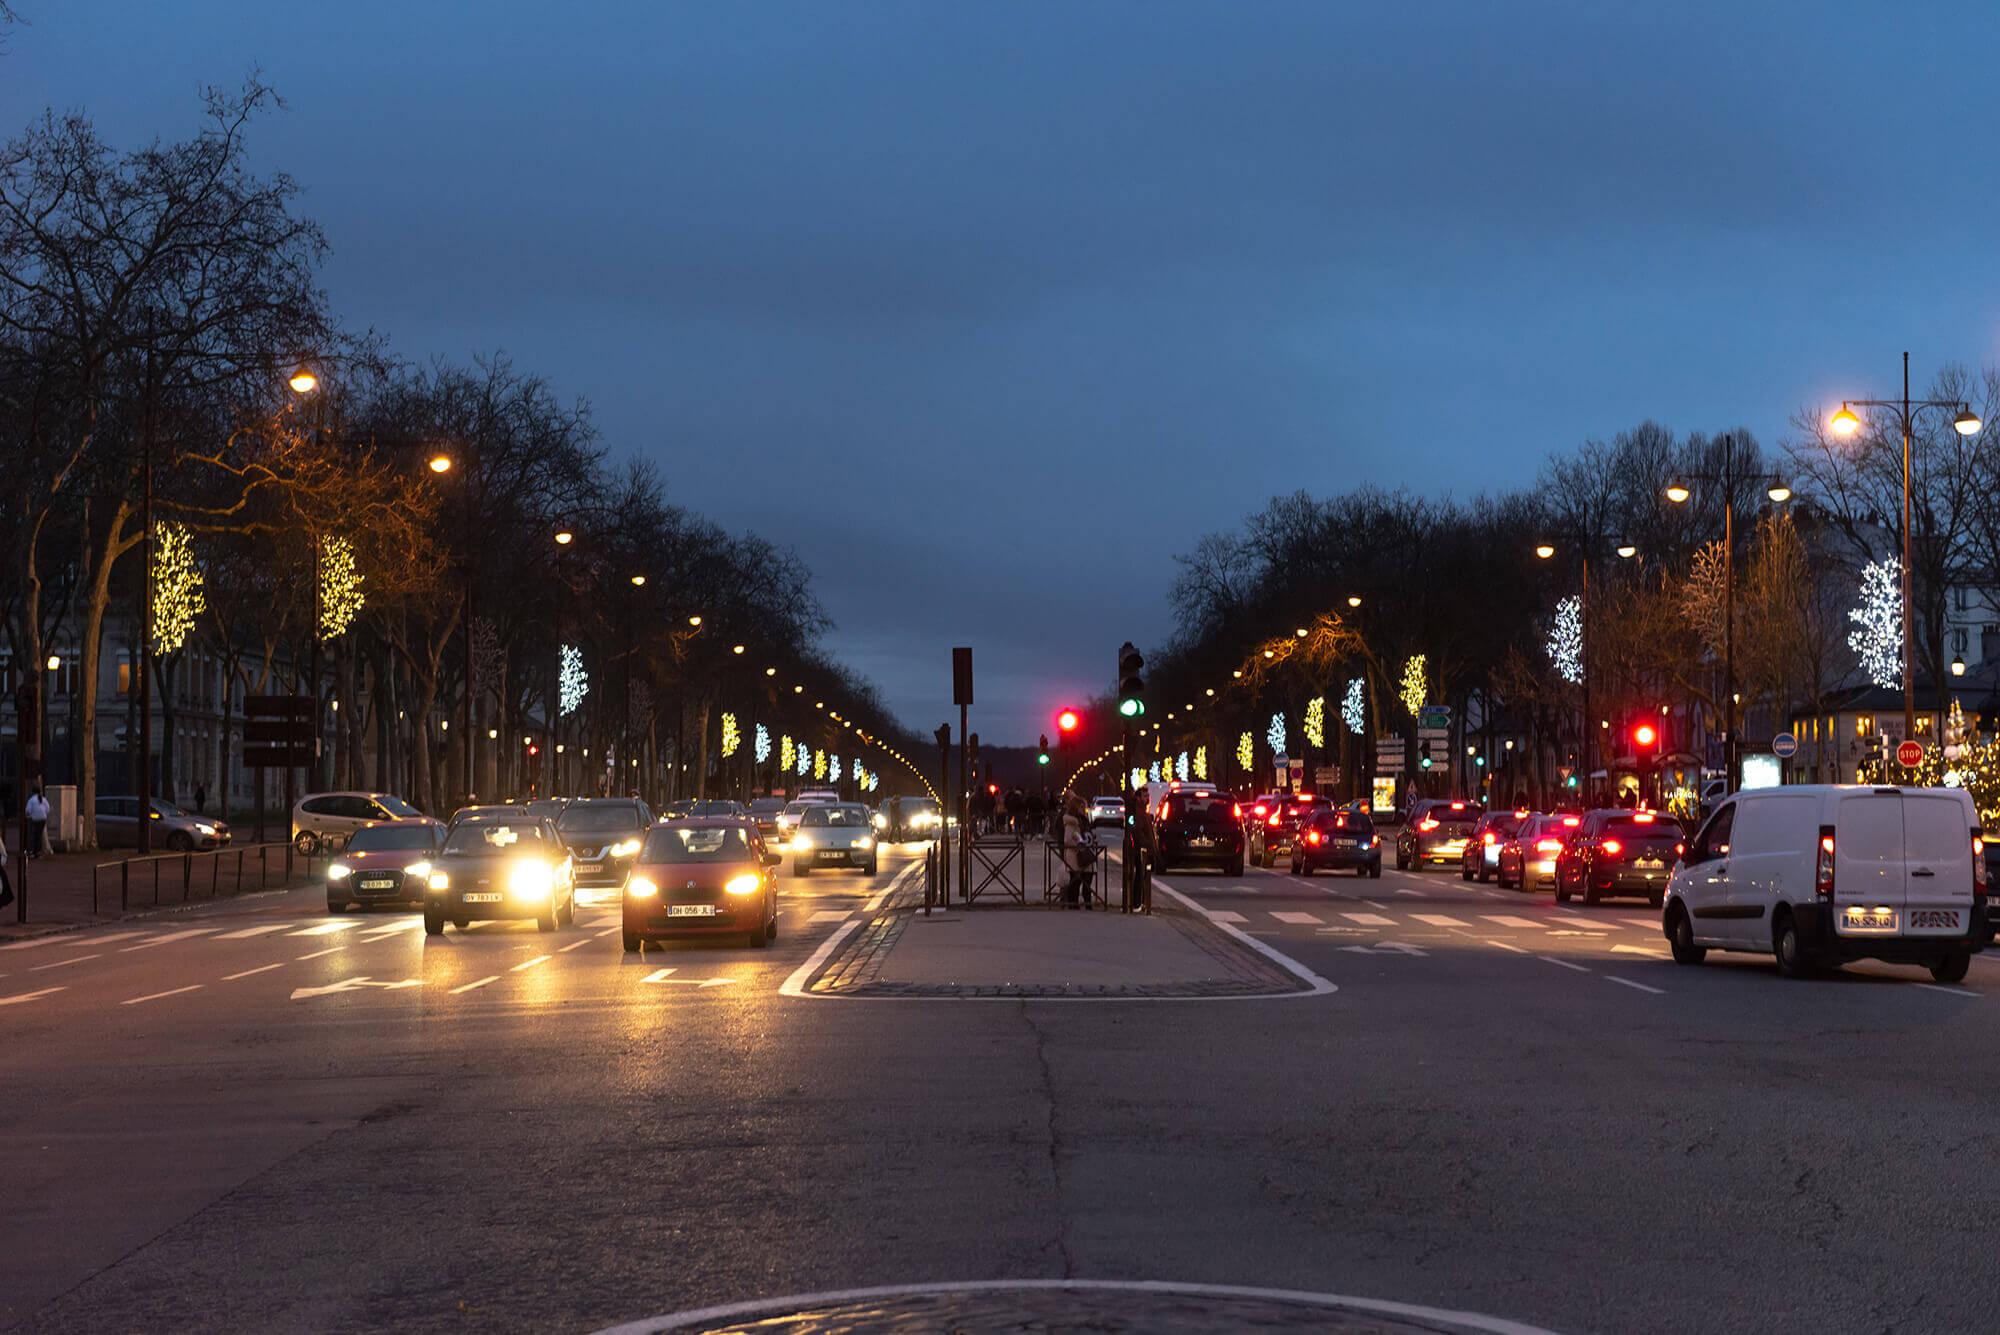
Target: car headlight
418	869
339	871
204	829
439	881
530	878
641	887
864	842
802	840
746	884
881	821
624	848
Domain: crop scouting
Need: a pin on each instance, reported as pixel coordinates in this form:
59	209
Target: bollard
125	885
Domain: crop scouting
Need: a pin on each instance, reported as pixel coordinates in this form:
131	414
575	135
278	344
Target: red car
1528	856
702	877
385	862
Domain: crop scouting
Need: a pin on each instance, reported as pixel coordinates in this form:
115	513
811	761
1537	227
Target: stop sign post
1910	755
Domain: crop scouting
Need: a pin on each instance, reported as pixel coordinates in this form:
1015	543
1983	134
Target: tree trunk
163	669
701	769
115	545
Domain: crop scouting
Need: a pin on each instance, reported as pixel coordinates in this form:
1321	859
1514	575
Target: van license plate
1869	920
1201	843
1937	920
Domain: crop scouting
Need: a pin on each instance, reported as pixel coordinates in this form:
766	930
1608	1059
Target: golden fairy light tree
177	592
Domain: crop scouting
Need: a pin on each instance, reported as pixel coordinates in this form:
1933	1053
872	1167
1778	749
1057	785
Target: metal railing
189	877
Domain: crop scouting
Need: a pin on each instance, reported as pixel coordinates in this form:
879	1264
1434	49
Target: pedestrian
200	798
1017	810
1038	808
6	886
38	822
1078	854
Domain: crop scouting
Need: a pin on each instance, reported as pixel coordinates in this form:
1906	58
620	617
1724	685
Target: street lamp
440	463
1678	491
1966	423
303	381
1625	551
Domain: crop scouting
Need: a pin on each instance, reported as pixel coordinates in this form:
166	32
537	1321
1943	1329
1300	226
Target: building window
1958	640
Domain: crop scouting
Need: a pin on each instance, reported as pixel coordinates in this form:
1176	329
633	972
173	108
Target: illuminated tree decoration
1154	773
1413	689
1315	725
806	762
872	782
763	743
1246	751
819	764
1275	734
340	596
1165	771
572	682
1201	762
787	753
1181	768
732	736
1354	707
1976	767
833	770
1877	639
1566	640
1138	776
177	596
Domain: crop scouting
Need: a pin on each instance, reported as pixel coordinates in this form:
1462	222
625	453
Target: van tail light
1427	824
1272	821
1978	863
1611	848
1823	882
1643	817
1680	850
1549	846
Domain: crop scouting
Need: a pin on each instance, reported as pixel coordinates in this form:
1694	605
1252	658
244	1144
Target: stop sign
1910	755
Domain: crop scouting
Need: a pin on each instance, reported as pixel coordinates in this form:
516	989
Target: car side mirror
773	859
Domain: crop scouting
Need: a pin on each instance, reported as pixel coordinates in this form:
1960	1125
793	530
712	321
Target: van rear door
1937	848
1870	884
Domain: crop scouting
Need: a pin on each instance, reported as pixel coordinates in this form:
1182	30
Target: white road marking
73	959
1225	915
328	928
1302	919
576	944
1509	920
1504	946
529	964
263	968
481	983
157	995
395	929
20	997
253	931
1401	891
167	940
1652	924
794	986
1561	964
1954	991
828	915
1639	950
40	941
352	985
81	940
1656	991
1597	923
317	953
1401	947
1438	920
657	976
607	932
1369	919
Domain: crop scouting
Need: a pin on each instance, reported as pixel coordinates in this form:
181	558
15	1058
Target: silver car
174	830
834	834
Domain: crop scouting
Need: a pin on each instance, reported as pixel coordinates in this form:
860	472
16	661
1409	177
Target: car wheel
759	936
306	843
1789	948
1236	867
1590	892
335	905
1681	937
1951	968
1481	875
633	945
872	866
771	929
1657	899
569	908
1465	871
461	923
1375	870
180	842
433	923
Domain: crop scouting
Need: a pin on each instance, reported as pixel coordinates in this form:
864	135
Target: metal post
27	736
964	803
1729	613
1583	647
143	646
1909	625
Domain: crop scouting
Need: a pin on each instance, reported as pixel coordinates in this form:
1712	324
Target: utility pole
143	643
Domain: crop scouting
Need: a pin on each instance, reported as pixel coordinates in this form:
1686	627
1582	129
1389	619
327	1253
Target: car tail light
1572	820
1643	817
1549	846
1272	821
1680	850
1490	839
1823	882
1612	848
1237	810
1458	806
1978	864
1261	808
1313	838
1427	824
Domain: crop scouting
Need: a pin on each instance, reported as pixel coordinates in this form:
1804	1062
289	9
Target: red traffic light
1067	721
1644	734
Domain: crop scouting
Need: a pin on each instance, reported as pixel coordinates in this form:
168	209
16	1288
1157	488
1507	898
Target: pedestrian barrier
189	877
1055	875
1004	860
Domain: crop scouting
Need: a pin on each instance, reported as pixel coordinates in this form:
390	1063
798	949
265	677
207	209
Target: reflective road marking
157	995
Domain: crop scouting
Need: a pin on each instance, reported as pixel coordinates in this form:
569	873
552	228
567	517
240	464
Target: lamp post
1546	550
1966	424
305	384
1678	491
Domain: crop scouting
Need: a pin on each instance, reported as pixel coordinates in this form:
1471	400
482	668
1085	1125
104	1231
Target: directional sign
1434	716
1784	746
1910	755
1434	734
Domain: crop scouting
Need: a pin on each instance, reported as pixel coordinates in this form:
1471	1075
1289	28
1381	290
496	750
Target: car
909	818
1618	852
1437	830
1274	834
1528	856
547	808
713	808
498	870
833	834
764	815
388	862
603	834
174	830
1482	846
321	822
677	809
1816	875
1334	839
1107	810
506	811
1259	809
701	877
1199	829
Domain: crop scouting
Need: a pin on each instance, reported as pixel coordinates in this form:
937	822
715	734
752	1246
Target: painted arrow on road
350	985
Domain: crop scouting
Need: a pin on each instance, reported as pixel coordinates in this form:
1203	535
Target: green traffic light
1427	762
1131	708
1042	759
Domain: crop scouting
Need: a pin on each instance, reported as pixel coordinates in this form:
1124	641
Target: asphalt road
254	1117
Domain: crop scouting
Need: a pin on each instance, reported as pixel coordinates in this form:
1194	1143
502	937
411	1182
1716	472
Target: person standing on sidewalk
200	798
6	886
1077	857
38	822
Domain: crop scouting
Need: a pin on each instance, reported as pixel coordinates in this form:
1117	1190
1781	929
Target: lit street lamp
1626	551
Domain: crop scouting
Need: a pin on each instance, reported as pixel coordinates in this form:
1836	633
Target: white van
1821	874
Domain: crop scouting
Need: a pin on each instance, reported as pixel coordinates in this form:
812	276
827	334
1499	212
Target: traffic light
972	748
1043	758
1067	722
1131	687
1425	761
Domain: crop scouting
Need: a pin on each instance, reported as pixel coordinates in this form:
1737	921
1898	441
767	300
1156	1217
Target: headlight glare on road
418	869
624	848
531	878
640	887
746	884
439	881
339	871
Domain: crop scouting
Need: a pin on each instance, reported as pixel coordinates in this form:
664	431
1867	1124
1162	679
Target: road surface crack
1055	1143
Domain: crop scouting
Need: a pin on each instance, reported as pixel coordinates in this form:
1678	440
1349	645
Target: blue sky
988	309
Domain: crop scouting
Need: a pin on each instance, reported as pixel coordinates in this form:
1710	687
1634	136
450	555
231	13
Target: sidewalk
59	892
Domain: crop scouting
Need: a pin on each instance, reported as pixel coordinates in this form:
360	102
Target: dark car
1991	851
1334	839
388	862
1482	849
1272	835
764	815
491	870
1528	856
1199	830
699	877
910	818
1437	830
603	836
1618	852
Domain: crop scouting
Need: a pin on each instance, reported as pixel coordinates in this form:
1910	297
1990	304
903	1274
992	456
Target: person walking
6	886
38	822
200	798
1078	857
1017	810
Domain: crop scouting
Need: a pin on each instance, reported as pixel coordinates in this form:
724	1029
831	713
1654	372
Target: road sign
1433	734
1910	755
1434	716
1386	763
1784	746
278	732
1565	770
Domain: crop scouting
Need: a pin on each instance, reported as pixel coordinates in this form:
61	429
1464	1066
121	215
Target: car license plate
1937	920
833	855
691	910
1201	843
483	897
1868	920
1343	843
589	866
378	885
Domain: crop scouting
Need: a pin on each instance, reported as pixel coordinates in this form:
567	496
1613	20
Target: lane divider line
1505	946
659	975
157	995
608	931
1561	964
490	978
317	953
575	945
232	977
795	986
74	959
529	964
253	931
1640	987
1319	986
167	940
20	997
1951	991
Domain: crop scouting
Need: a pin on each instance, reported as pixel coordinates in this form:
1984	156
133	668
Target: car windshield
765	806
799	808
1346	822
493	837
392	838
920	806
820	817
167	808
597	820
1110	801
696	843
1193	806
1641	827
396	806
715	809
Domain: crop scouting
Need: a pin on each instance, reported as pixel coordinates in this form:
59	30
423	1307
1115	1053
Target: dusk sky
989	309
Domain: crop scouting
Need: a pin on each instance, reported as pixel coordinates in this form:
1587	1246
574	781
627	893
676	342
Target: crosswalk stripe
1579	922
1508	920
1303	919
1225	915
253	931
1369	919
327	928
167	940
1438	919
